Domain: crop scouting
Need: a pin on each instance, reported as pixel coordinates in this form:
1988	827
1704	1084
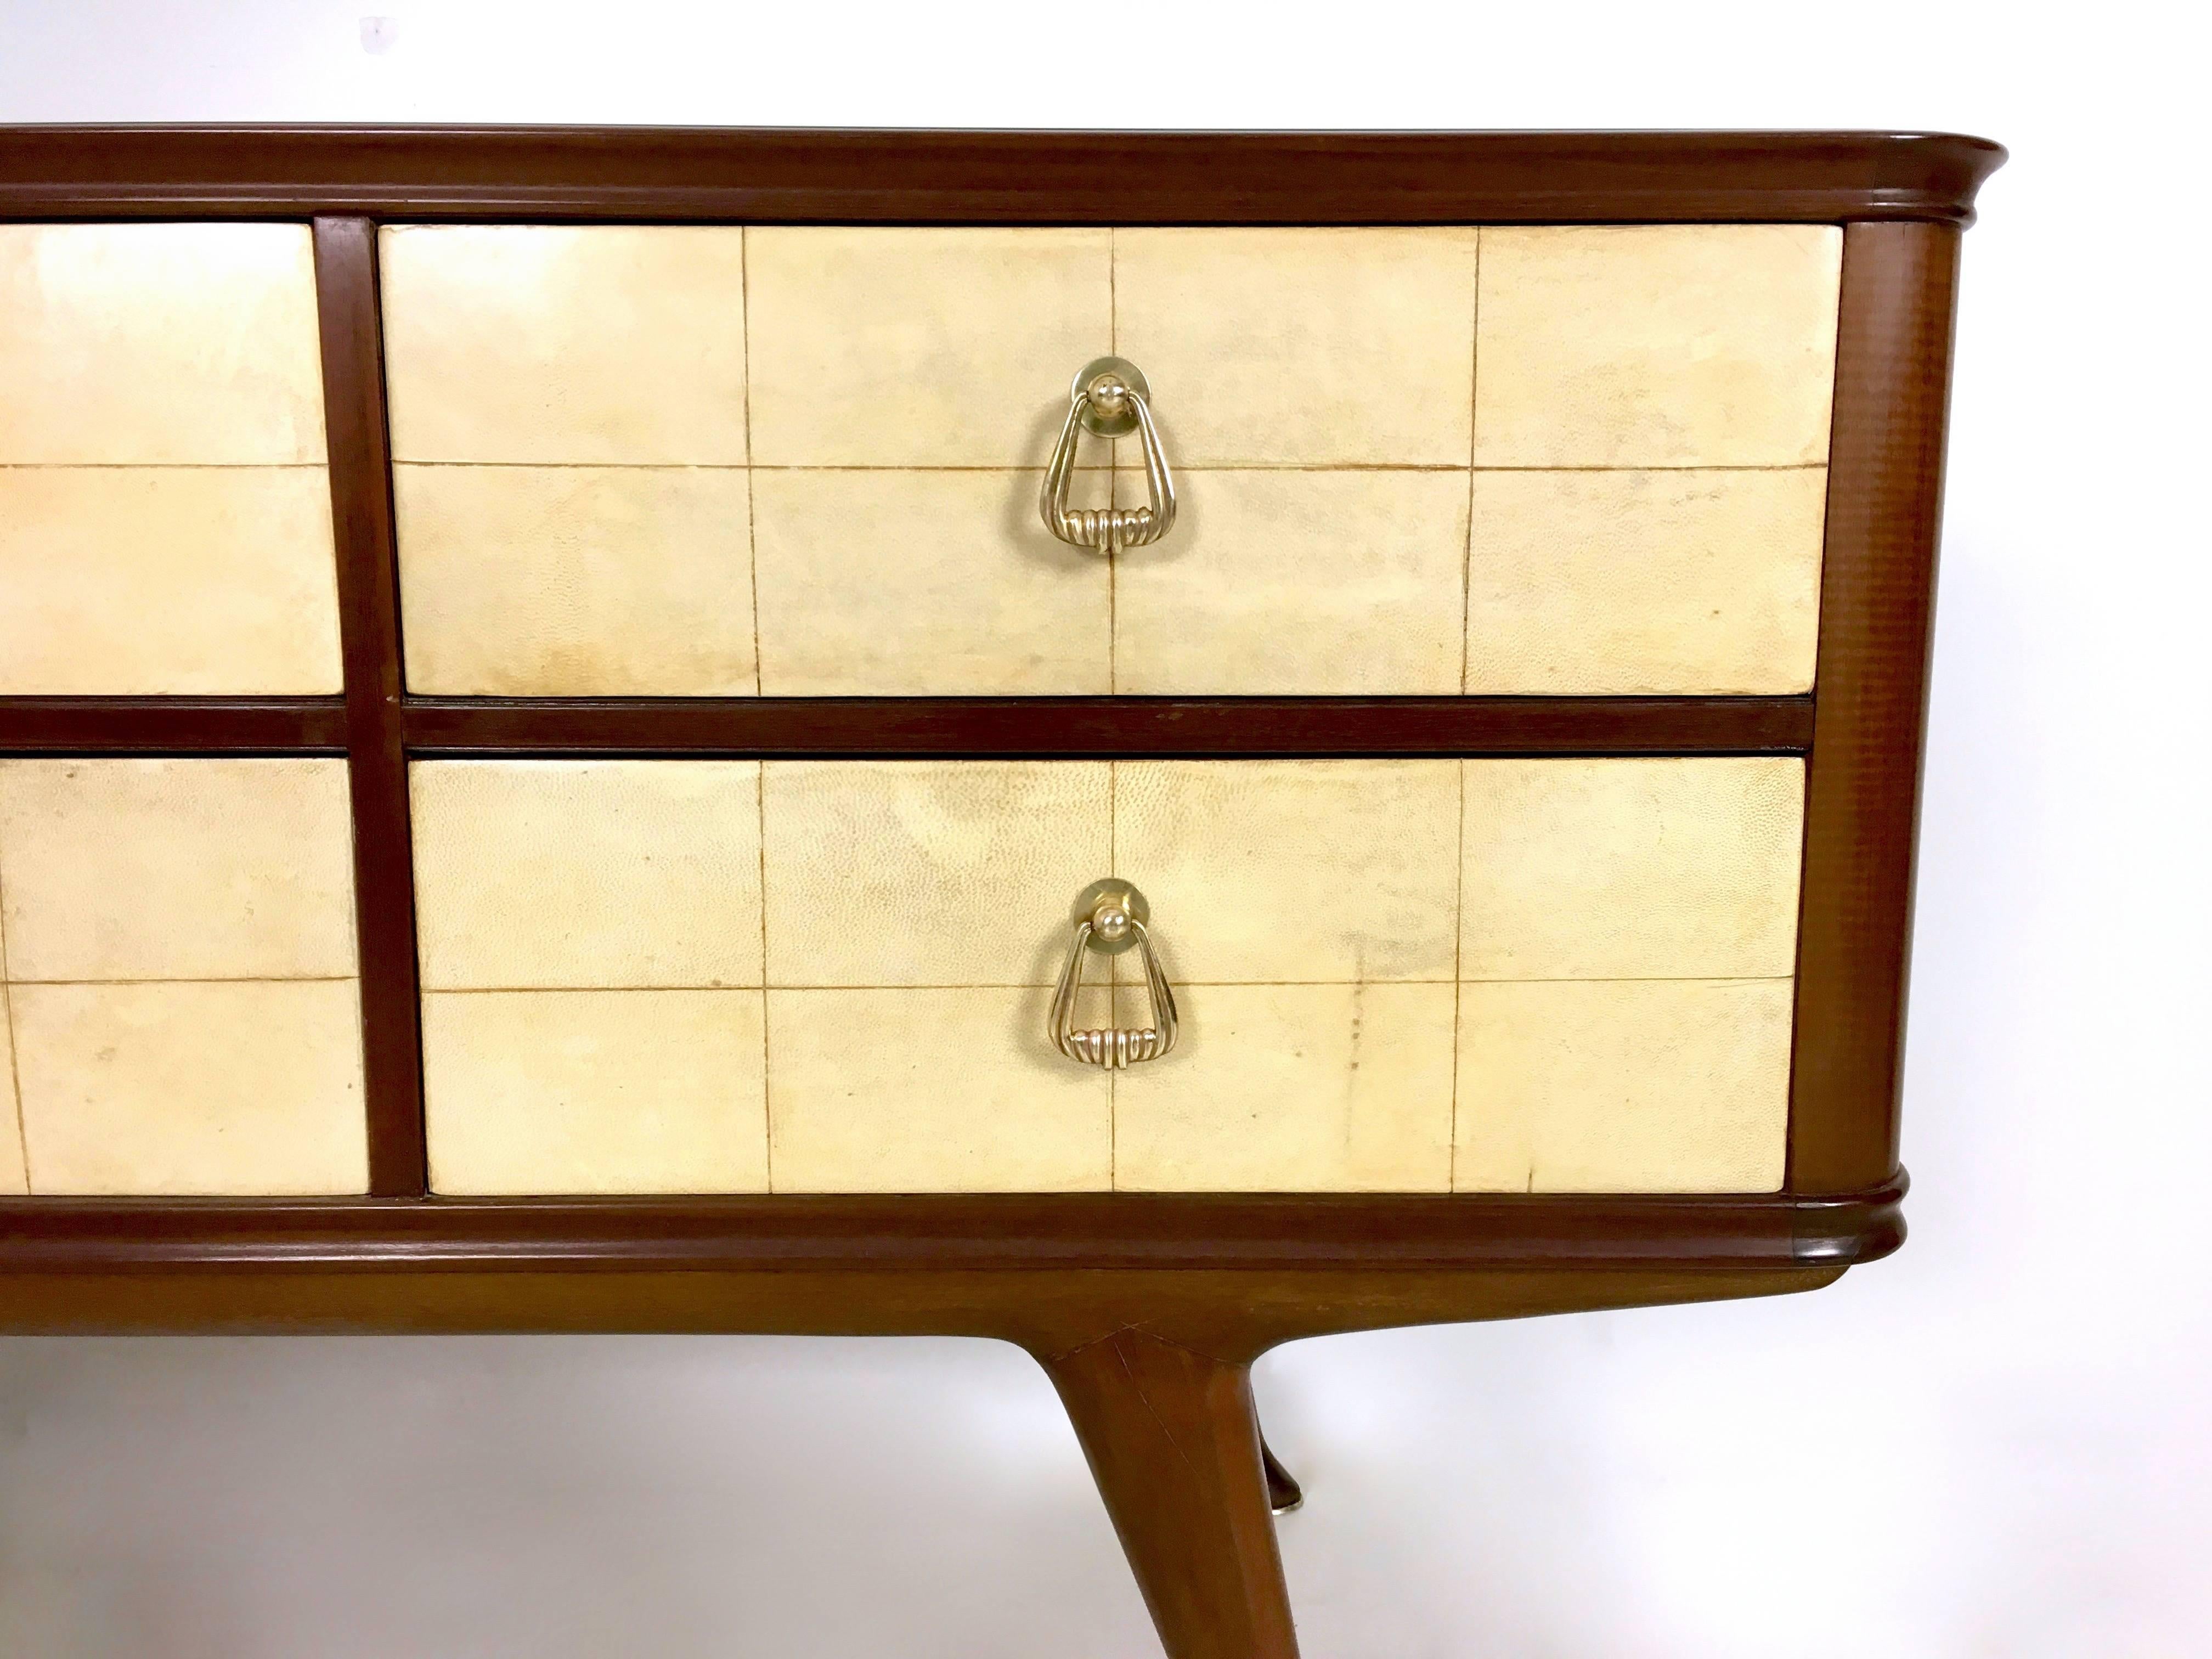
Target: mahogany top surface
796	175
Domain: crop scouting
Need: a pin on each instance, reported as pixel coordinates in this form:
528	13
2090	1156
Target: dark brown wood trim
172	725
991	178
949	726
998	1232
1123	726
1863	788
368	602
1047	1311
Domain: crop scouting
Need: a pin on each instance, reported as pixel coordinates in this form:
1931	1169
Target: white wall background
1994	1446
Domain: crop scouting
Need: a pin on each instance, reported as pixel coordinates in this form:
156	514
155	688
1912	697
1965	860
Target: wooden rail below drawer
944	727
1288	1233
1106	726
172	726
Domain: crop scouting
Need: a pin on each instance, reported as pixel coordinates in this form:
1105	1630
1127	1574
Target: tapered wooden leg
1176	1449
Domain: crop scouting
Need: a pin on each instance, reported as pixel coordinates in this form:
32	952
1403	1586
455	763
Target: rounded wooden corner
1934	175
1852	1229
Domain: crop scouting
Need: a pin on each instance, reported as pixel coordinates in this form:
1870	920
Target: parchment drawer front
806	460
180	977
568	414
164	513
1650	445
1627	941
838	976
590	938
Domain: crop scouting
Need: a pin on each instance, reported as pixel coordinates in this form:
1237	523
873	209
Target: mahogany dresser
1143	745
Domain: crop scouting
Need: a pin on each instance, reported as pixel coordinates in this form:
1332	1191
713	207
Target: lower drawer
1418	976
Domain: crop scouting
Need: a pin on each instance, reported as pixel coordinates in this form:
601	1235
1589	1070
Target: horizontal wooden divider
1123	727
945	727
172	725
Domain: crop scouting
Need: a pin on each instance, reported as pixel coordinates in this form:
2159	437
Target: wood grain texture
857	1233
1174	1444
1877	611
1037	727
368	601
1235	1314
765	175
1043	728
172	725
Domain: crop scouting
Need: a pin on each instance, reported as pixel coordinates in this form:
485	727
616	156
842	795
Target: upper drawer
805	460
165	516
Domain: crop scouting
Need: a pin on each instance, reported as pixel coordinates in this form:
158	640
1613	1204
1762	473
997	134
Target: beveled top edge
922	175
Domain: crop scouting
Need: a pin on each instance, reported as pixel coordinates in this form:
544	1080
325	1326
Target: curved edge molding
995	1232
1095	178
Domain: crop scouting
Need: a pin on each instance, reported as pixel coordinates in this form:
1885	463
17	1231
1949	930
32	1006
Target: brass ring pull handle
1110	399
1109	918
